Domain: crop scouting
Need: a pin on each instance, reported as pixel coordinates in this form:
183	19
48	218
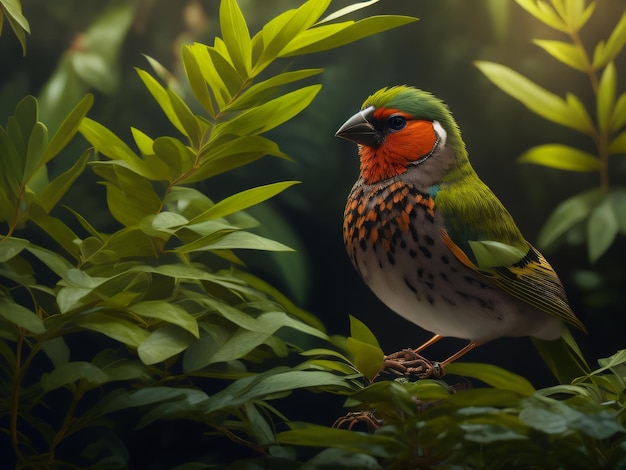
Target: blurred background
78	47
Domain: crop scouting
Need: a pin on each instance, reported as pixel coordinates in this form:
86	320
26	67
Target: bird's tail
563	357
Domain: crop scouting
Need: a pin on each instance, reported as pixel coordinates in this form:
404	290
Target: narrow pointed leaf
243	200
562	157
565	52
618	144
164	343
68	128
162	98
116	328
613	46
167	312
22	317
50	196
606	96
602	228
618	120
492	375
268	115
346	11
566	215
236	36
37	143
196	80
537	99
311	40
543	13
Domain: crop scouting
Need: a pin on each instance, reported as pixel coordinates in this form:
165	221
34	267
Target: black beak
359	129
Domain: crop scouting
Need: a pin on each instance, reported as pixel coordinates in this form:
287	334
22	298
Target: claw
408	363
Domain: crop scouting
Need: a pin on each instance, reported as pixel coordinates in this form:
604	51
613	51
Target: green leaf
364	348
10	247
18	22
492	375
164	343
268	115
543	13
114	327
606	52
490	253
602	228
236	36
566	215
236	152
367	359
56	189
57	351
259	92
68	128
346	11
22	317
360	332
108	144
57	263
162	98
130	197
151	395
618	144
192	126
167	312
70	373
378	445
537	99
618	200
269	383
196	80
243	200
56	229
37	143
606	96
281	30
11	164
618	120
567	53
234	240
561	157
229	83
178	158
325	37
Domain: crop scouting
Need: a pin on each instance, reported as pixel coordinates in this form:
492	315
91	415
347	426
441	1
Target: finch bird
431	240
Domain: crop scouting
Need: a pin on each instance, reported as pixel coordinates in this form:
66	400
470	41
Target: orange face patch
399	148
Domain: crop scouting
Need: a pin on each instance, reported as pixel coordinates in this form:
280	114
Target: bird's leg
462	352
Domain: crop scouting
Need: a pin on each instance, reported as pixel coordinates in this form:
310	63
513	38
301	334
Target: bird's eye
397	122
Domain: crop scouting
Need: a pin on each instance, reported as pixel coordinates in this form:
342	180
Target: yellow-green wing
530	279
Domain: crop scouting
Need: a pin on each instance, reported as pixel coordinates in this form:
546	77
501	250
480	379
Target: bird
432	241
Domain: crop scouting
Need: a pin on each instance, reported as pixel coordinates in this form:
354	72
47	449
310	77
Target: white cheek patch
441	132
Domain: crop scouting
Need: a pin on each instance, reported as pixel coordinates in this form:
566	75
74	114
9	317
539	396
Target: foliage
602	210
154	321
507	424
12	11
164	294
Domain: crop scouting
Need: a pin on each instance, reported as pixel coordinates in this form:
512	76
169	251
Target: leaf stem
15	395
600	137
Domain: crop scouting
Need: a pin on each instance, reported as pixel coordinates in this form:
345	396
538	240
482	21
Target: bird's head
403	127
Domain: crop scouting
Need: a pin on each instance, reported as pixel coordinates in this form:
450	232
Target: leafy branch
604	209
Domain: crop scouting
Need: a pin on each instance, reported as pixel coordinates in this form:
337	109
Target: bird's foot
410	364
353	418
